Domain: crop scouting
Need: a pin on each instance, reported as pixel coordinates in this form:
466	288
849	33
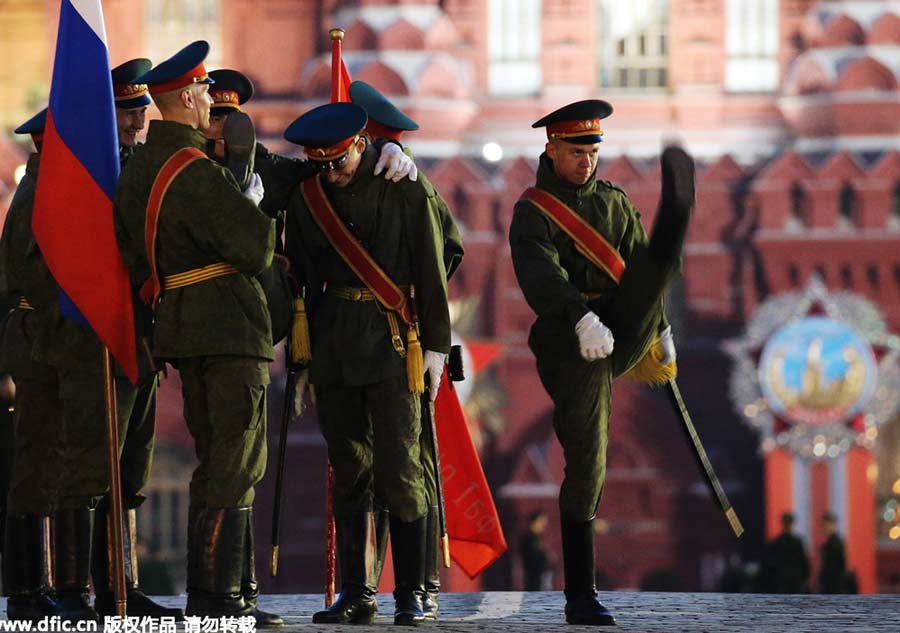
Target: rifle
702	459
286	412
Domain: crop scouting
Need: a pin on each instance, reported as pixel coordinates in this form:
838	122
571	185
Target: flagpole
115	526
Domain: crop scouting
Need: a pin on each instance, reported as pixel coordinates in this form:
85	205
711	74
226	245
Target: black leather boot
356	555
26	568
676	202
433	557
240	147
249	586
73	533
216	563
137	603
582	606
409	570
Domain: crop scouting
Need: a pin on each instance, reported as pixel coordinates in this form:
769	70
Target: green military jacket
23	273
551	272
204	220
398	224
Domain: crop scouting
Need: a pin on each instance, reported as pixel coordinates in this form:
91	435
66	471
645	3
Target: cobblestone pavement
505	612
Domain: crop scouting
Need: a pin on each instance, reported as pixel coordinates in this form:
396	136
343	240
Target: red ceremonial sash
588	240
351	251
164	179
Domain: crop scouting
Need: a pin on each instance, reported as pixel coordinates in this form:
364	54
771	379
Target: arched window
751	45
799	208
169	25
514	47
793	275
633	49
894	217
847	206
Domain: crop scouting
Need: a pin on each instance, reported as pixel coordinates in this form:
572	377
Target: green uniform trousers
137	451
225	411
373	434
581	390
37	456
86	464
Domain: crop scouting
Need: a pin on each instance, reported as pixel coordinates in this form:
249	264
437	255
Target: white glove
434	369
668	346
399	165
594	339
255	190
301	384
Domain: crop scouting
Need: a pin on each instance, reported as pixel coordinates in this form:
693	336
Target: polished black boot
249	586
217	542
357	557
73	533
408	551
582	606
433	556
240	147
137	604
26	568
676	202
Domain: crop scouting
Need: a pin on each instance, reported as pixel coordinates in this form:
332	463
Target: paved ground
636	612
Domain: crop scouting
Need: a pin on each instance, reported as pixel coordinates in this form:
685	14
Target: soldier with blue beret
596	284
198	267
369	410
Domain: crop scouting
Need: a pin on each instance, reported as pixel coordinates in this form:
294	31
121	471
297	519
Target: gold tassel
415	365
301	350
650	370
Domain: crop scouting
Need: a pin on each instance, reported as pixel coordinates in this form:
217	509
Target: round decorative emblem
816	372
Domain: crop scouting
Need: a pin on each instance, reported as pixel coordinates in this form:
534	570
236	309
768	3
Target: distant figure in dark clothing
832	576
534	557
785	566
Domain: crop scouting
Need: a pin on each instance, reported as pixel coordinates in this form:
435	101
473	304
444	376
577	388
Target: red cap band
330	153
225	99
377	130
193	76
571	129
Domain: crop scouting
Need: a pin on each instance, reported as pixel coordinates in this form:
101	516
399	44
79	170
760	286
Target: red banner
476	536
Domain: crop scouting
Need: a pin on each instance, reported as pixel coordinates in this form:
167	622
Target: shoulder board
610	185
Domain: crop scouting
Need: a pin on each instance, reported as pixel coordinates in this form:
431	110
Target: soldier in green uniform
38	446
137	444
370	418
212	323
592	325
387	122
279	174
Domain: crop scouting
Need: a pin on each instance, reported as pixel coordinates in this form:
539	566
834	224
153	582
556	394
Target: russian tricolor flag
73	216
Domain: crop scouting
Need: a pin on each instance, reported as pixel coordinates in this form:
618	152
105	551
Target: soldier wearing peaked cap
37	445
367	363
229	134
196	263
386	121
131	100
596	283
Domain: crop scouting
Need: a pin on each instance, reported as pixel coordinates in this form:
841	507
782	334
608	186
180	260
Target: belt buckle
355	294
